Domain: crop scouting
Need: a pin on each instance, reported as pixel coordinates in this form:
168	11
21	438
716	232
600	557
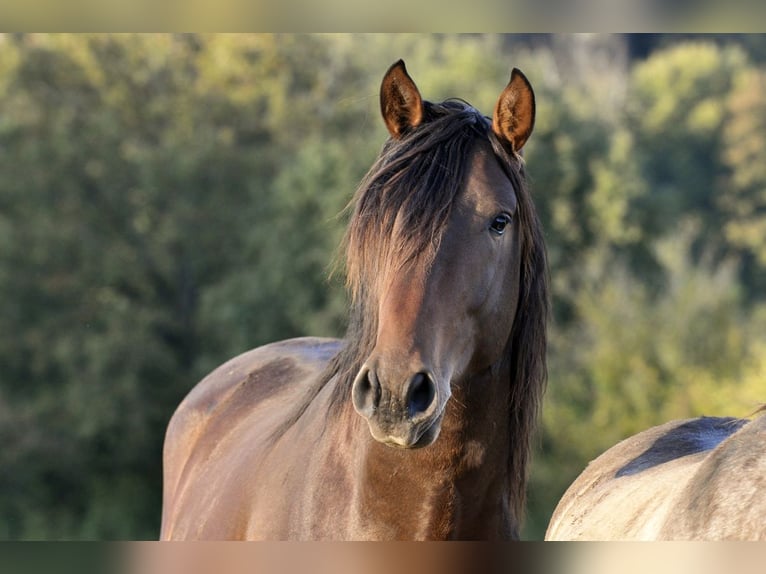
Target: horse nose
417	398
365	393
402	415
420	394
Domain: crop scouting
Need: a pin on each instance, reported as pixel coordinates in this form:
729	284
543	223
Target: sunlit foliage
168	201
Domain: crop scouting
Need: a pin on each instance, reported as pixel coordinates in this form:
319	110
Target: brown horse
696	479
444	358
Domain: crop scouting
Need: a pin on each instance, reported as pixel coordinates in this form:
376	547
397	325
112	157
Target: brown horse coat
417	425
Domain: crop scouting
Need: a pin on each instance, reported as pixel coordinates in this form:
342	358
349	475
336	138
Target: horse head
437	240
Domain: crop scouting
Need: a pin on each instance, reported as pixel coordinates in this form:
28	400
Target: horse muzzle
402	416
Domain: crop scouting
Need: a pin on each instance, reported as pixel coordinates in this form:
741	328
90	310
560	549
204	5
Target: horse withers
695	479
417	424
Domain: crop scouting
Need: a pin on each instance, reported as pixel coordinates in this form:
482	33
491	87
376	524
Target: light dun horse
444	358
696	479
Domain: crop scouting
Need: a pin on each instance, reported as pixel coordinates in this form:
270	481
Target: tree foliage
168	201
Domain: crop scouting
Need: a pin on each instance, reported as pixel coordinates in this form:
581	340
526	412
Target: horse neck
457	487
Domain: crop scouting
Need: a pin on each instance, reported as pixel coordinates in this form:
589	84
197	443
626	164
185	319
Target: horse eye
499	224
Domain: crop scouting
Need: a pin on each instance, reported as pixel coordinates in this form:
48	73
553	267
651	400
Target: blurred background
169	201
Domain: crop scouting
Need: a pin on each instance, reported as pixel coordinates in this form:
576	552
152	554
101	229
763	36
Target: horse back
251	395
632	489
725	499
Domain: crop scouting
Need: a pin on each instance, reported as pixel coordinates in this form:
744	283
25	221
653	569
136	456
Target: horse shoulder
229	396
627	492
724	499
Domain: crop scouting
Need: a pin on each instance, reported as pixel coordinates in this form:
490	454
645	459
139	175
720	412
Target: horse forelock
403	203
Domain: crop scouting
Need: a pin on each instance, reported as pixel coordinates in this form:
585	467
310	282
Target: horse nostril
365	393
421	394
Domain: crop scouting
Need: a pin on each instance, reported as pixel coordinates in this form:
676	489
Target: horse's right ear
400	101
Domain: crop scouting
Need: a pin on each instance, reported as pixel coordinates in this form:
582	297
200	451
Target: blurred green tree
743	198
168	201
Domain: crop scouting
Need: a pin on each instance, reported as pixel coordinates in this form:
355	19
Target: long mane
416	181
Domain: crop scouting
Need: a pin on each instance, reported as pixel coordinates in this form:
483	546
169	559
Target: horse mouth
395	443
415	437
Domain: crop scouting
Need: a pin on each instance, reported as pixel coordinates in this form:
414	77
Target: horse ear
400	101
514	115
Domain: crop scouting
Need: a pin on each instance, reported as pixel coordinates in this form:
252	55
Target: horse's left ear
514	115
400	101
